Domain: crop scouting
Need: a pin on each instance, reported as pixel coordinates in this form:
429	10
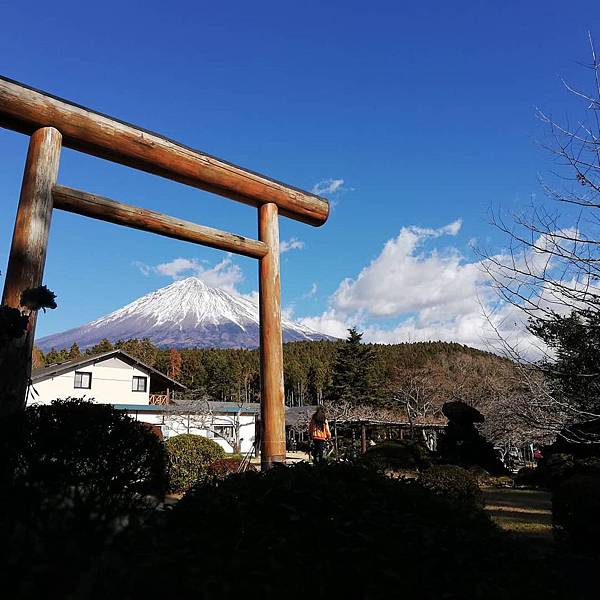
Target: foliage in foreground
71	475
223	467
189	458
452	482
397	456
319	532
576	512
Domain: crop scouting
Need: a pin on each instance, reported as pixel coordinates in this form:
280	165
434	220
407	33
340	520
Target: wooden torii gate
52	123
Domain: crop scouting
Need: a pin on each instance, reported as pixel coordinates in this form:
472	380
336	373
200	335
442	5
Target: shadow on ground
527	513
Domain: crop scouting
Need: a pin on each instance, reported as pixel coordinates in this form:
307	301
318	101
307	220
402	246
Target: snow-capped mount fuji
185	314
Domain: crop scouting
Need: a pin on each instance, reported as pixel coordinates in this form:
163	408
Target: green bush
397	456
348	532
576	512
71	475
452	482
189	457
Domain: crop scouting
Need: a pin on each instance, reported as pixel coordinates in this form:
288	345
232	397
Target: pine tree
74	352
574	373
352	372
102	346
52	357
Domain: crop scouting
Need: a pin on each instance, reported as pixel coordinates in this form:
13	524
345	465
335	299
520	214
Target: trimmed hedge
189	457
576	512
333	531
397	456
452	482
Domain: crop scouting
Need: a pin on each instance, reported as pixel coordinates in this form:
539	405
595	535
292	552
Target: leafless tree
552	264
193	410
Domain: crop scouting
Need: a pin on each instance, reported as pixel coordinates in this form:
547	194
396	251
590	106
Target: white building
146	394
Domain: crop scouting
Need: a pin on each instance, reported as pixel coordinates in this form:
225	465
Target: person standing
318	430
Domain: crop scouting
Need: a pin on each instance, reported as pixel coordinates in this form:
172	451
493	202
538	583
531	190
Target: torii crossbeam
51	123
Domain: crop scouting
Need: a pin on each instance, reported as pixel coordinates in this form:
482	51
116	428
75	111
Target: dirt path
527	513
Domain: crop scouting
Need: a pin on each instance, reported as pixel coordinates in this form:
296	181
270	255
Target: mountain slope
185	314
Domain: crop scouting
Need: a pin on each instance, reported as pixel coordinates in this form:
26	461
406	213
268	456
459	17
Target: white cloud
287	312
312	291
402	279
142	267
251	296
225	274
433	294
291	244
330	323
328	186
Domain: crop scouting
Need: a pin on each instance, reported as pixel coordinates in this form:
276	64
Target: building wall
172	425
111	384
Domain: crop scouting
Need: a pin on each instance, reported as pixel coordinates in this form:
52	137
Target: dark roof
54	370
299	415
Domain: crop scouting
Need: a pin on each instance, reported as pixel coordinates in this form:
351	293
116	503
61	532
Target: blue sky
417	116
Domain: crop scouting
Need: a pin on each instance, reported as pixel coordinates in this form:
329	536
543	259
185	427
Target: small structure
146	395
362	429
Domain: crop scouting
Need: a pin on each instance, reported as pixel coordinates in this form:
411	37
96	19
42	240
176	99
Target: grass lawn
526	513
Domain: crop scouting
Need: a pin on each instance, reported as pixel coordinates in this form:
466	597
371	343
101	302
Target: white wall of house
172	425
112	381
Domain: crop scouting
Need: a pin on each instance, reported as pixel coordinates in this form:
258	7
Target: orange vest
316	433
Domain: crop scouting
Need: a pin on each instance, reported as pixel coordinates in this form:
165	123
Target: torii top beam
25	109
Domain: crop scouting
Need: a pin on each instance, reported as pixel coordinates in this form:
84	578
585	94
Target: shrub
461	444
397	456
576	512
189	457
346	531
71	474
223	467
557	468
452	482
530	476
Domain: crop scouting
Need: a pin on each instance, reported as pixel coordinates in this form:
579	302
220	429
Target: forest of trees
333	371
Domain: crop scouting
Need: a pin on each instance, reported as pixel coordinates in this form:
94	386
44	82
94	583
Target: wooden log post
97	207
271	350
25	109
26	260
363	438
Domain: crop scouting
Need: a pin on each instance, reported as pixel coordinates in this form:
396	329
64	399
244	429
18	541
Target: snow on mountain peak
186	313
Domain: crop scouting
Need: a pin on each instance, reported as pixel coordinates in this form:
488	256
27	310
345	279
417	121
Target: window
139	384
224	431
83	380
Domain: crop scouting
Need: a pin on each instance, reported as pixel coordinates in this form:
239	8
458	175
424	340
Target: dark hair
319	417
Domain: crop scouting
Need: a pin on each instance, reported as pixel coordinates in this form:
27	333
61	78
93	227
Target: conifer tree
352	371
52	357
74	352
102	346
